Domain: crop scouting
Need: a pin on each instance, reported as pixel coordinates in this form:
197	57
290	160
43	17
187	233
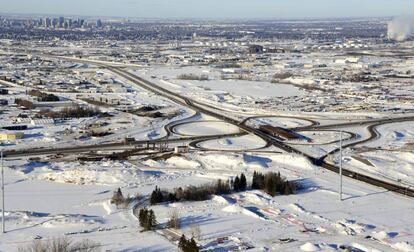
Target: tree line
43	97
271	183
73	112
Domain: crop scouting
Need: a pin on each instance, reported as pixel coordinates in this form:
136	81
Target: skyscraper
61	21
47	22
98	23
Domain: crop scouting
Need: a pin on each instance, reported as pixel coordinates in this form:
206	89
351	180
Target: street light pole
340	167
2	195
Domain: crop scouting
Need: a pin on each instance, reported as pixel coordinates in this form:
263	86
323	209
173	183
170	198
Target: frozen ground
226	93
206	128
390	156
279	122
247	142
394	136
71	199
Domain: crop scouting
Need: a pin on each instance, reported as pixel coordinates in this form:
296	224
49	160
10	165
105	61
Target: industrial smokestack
401	28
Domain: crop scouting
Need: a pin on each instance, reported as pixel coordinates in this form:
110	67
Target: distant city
52	23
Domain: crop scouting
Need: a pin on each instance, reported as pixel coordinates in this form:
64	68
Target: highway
357	123
106	147
207	109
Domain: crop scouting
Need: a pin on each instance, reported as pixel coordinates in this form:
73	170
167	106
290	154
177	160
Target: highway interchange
214	112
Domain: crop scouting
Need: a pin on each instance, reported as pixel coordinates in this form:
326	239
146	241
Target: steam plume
401	28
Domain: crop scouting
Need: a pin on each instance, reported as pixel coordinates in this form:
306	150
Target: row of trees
61	245
273	183
239	184
187	245
74	112
43	96
191	76
191	193
147	219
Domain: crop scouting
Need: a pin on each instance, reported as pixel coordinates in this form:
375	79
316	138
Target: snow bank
233	161
350	227
309	247
404	246
182	162
239	209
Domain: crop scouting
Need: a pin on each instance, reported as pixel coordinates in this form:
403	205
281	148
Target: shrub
196	232
120	201
24	103
174	221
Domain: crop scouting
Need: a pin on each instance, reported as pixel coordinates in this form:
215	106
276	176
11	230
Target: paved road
311	122
357	123
108	147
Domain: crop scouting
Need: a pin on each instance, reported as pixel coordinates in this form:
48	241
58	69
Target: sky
223	9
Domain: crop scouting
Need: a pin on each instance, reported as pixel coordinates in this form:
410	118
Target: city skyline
230	9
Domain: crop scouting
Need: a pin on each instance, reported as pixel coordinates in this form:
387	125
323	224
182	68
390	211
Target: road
209	110
108	147
357	123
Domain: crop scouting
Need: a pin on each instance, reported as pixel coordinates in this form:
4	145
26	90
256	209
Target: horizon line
27	15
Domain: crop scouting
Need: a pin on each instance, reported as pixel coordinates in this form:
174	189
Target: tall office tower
55	22
70	23
98	23
81	22
47	23
61	21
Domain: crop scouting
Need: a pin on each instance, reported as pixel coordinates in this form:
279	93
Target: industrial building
280	132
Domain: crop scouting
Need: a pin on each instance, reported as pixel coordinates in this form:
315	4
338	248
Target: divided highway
209	110
404	190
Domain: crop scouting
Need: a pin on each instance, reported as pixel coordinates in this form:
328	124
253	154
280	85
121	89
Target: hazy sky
212	8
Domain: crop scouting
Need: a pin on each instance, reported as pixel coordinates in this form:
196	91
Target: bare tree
61	245
174	221
196	232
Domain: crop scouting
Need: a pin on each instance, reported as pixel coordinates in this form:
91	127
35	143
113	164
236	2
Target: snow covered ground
71	199
389	156
247	142
206	128
226	93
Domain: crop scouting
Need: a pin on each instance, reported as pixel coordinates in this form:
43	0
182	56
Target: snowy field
206	128
284	122
69	199
390	156
247	142
226	93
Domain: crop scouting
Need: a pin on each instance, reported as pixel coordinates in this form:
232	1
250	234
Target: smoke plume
401	28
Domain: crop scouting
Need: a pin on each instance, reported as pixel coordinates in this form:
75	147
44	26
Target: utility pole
340	167
2	195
